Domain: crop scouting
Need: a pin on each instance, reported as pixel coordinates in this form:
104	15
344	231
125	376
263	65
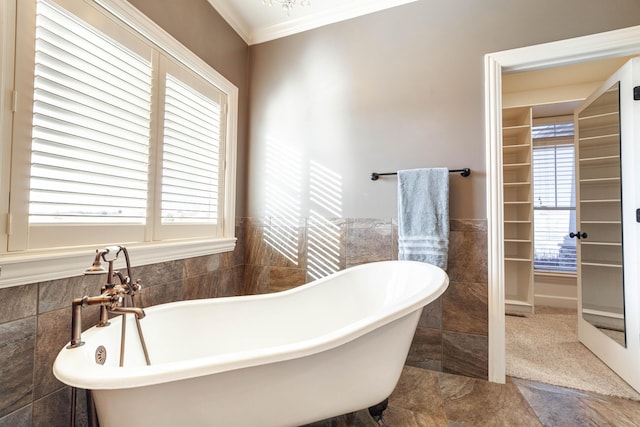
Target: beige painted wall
197	25
401	88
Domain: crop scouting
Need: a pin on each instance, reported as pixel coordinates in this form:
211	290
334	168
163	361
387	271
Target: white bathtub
327	348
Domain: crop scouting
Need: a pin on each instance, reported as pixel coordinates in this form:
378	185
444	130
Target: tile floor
426	398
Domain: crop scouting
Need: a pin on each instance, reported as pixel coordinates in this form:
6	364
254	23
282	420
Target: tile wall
271	255
35	323
453	330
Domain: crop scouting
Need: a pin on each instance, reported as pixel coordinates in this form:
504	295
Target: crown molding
233	18
344	11
322	18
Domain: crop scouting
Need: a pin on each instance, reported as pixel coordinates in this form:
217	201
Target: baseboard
603	319
556	301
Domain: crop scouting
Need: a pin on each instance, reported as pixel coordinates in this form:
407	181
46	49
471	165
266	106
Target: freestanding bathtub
326	348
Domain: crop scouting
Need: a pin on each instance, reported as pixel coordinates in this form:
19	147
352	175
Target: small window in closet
554	195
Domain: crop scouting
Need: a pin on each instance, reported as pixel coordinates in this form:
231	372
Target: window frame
29	266
554	142
163	230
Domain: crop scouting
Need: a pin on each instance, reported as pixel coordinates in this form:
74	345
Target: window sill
25	268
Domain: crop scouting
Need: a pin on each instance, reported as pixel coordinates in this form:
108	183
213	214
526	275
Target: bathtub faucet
113	295
109	255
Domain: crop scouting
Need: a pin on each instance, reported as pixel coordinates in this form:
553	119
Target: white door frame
612	44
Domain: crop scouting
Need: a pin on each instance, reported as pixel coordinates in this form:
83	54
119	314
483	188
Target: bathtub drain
101	355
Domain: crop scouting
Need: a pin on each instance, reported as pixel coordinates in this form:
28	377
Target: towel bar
463	172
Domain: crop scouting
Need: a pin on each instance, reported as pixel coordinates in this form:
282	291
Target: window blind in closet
554	198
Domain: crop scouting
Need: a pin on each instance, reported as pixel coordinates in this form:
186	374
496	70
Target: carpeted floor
544	347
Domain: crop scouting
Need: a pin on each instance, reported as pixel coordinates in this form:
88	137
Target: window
554	198
90	126
120	135
192	153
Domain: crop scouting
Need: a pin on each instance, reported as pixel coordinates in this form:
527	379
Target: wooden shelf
515	147
600	264
592	243
514	117
600	180
518	212
596	201
600	160
609	138
513	133
598	120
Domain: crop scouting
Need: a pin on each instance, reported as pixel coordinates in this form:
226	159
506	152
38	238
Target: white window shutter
191	155
120	135
91	113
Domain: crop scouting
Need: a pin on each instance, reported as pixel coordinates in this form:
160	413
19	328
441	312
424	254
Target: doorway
625	42
541	324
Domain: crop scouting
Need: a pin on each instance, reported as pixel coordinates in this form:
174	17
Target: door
607	151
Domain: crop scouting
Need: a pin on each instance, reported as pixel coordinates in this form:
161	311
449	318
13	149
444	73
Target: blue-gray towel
423	215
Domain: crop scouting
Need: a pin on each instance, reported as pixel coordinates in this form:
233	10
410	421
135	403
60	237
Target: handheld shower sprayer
97	268
110	255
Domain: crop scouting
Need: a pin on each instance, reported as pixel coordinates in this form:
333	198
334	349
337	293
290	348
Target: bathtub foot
376	410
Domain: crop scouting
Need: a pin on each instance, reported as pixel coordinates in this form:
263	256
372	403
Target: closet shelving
518	212
600	203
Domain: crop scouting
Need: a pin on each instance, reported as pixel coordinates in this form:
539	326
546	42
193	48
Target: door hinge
14	101
9	224
636	93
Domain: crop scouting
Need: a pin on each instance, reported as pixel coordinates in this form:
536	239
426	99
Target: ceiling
257	22
587	74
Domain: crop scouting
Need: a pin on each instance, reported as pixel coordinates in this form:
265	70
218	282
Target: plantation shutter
554	197
91	112
119	134
191	155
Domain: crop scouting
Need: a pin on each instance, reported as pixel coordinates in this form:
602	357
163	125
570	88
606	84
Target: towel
423	215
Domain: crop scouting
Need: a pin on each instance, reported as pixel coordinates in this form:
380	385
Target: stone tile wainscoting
271	255
452	333
35	322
